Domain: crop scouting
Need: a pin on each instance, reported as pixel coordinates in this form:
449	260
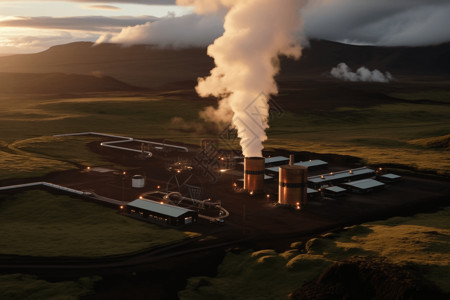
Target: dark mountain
147	66
143	66
44	83
321	56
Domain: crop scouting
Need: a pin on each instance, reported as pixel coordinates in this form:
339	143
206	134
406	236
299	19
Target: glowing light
268	196
158	187
124	173
88	168
140	197
251	192
121	207
161	202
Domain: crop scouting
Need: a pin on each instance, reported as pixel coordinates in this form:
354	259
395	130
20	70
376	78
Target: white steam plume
342	71
256	33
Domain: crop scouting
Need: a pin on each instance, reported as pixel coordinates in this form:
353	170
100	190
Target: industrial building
161	213
312	193
364	186
292	187
389	178
334	178
276	161
334	192
312	165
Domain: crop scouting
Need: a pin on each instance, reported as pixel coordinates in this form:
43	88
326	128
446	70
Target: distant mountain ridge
50	83
149	67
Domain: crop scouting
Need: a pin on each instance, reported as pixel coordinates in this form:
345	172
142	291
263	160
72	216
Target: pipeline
124	139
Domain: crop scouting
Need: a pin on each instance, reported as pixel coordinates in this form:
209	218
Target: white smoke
255	34
342	71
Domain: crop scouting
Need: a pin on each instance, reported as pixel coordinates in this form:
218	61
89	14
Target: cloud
343	72
184	31
102	7
25	43
148	2
89	23
381	22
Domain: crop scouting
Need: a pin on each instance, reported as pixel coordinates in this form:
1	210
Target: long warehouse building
161	213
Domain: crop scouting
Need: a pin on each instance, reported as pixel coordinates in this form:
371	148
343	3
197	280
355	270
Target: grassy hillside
38	223
26	287
54	83
359	122
422	241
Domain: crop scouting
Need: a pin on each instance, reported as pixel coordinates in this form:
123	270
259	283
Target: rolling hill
150	67
60	83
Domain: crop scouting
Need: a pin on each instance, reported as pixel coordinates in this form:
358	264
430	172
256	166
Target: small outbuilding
312	194
162	213
389	178
334	192
364	186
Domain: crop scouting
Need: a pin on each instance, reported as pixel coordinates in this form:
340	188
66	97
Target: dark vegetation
368	279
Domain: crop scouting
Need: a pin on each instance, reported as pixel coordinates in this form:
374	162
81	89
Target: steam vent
254	174
292	188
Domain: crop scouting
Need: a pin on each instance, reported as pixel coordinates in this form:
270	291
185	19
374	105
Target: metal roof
365	184
391	176
311	163
335	189
311	191
157	207
276	159
308	164
338	175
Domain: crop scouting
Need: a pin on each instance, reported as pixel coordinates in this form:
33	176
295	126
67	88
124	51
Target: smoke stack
256	34
291	160
254	168
293	188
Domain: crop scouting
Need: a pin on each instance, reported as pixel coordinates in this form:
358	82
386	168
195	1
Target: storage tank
254	168
138	181
292	189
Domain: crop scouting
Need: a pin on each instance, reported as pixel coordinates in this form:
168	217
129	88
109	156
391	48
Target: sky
33	26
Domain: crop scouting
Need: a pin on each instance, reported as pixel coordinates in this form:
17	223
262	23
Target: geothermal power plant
179	185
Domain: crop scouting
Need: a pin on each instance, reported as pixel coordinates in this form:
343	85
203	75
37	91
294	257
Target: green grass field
422	240
37	223
399	133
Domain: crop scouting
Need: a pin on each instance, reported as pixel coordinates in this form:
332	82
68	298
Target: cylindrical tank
254	174
292	189
138	181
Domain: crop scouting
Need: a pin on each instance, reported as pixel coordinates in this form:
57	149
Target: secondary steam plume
342	71
256	33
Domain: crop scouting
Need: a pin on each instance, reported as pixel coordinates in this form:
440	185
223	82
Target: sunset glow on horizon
34	26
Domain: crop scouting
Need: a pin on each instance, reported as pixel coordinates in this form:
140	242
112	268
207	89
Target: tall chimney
292	189
291	160
254	168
